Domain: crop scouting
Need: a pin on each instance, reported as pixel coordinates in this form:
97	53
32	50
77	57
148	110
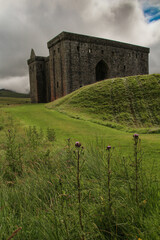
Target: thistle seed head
108	147
77	144
136	135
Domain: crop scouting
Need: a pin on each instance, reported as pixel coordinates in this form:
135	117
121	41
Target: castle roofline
38	59
90	39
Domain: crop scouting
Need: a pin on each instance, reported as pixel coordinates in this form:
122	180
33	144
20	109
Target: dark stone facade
77	60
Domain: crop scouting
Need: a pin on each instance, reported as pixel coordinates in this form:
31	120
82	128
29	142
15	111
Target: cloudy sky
26	24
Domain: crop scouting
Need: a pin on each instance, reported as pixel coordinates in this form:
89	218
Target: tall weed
89	193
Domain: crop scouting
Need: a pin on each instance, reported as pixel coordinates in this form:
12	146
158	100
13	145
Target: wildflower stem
14	233
136	140
79	192
136	172
62	207
109	178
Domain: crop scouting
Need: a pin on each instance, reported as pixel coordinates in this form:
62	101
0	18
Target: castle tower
38	72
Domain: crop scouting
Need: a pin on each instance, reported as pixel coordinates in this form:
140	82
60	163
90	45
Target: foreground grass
39	190
63	194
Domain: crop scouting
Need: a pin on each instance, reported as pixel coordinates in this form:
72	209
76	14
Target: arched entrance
101	71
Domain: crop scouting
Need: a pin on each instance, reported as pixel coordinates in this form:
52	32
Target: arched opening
101	71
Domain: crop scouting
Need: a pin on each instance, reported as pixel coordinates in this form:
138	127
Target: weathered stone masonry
77	60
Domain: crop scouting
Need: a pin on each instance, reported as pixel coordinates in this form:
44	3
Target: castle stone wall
82	59
77	60
57	70
47	79
33	83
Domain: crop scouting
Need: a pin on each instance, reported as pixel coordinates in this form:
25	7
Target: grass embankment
122	103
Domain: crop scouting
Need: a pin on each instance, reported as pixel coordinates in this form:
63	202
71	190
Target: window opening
89	50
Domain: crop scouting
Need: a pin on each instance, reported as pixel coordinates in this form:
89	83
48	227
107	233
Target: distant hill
128	101
9	93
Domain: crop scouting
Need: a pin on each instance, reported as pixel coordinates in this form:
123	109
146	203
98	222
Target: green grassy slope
130	101
84	131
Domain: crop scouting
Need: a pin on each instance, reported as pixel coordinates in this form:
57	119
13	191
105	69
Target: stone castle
76	60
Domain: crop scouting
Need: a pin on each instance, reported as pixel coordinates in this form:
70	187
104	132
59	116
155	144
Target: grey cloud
124	20
118	20
155	58
124	17
26	24
17	84
32	26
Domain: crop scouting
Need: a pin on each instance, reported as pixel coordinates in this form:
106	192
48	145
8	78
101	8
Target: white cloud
17	84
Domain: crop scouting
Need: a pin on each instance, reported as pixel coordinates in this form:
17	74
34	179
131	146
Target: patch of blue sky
155	18
152	13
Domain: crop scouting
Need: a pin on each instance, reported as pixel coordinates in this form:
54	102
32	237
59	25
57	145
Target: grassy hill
129	101
9	93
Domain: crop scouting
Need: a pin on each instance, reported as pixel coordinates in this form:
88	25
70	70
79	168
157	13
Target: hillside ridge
10	93
127	101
